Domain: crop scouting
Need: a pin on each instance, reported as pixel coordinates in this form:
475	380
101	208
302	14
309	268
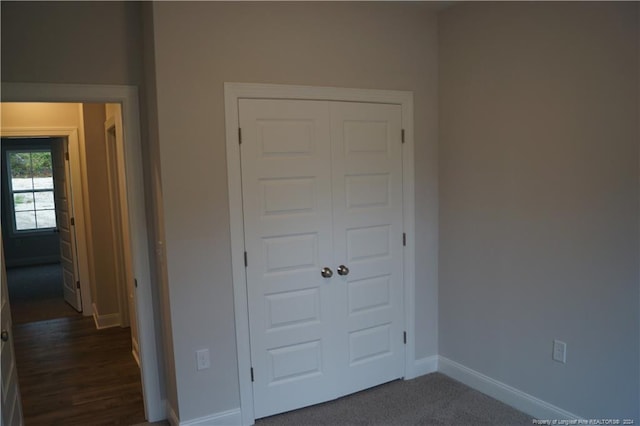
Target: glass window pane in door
46	218
25	220
44	200
23	201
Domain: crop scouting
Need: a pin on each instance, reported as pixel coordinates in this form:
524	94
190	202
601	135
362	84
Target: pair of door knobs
328	273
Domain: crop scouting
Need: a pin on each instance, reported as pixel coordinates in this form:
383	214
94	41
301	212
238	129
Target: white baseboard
225	418
171	415
135	351
524	402
105	321
509	395
425	365
136	357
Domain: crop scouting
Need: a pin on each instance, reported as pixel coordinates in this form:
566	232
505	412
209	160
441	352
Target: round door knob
4	335
326	272
343	270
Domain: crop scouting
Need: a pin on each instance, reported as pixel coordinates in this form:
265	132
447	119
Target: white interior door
11	405
367	236
321	188
286	177
65	221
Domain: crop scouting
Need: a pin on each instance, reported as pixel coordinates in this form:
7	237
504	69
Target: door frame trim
232	93
127	96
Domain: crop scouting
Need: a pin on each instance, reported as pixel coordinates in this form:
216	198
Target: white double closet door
322	188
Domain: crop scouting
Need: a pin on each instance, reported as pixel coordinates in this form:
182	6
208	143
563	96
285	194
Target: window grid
32	191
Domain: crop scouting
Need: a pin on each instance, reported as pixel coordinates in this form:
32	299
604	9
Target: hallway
72	374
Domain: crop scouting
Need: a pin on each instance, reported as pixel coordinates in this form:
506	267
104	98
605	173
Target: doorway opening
44	208
138	266
38	238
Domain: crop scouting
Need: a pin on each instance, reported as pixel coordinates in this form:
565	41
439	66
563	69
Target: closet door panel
286	178
367	229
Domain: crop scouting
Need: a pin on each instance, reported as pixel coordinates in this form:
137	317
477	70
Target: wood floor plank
72	374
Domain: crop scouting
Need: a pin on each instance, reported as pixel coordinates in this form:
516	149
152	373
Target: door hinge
239	135
66	156
404	239
246	262
402	135
252	374
72	221
404	337
77	284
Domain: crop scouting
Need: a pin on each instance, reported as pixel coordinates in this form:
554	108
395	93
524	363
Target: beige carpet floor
434	399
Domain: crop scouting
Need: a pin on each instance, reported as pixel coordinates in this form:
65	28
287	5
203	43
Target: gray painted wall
539	238
539	199
71	42
104	291
201	45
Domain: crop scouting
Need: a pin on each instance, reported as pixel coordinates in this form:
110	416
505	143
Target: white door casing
322	188
120	227
63	195
11	406
233	93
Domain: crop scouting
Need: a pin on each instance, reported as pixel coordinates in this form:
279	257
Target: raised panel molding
288	196
367	191
370	343
304	309
278	252
369	293
368	243
271	138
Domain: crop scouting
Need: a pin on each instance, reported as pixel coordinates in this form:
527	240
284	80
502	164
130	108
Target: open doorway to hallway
93	355
148	314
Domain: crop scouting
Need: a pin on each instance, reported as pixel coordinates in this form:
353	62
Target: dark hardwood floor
72	374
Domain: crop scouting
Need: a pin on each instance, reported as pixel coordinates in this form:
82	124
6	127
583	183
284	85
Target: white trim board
235	91
224	418
135	351
426	365
516	398
128	97
106	320
171	415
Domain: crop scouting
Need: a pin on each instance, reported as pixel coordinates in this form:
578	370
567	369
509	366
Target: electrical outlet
202	359
560	351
